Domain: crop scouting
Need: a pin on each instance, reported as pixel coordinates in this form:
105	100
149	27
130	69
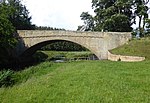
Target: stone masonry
97	42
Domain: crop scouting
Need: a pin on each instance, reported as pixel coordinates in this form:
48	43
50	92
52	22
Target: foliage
82	82
88	21
10	78
110	15
13	16
33	72
147	30
20	15
117	22
64	46
6	78
117	15
147	23
47	28
141	10
67	54
7	35
106	13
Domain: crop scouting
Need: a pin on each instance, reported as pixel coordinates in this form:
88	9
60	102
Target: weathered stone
114	57
97	42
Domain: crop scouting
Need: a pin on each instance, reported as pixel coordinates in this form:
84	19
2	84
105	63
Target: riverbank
81	82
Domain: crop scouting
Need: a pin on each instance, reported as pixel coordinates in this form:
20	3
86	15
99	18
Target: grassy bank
82	82
135	47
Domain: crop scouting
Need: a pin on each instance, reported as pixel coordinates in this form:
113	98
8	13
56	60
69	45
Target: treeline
117	16
47	28
64	46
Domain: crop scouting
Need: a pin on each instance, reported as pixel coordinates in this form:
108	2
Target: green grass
70	54
82	82
34	71
66	55
85	81
135	48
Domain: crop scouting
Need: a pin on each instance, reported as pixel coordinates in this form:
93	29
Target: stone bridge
97	42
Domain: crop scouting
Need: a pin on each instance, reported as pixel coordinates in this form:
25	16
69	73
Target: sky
58	13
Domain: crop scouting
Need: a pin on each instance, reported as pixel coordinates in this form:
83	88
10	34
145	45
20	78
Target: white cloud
57	13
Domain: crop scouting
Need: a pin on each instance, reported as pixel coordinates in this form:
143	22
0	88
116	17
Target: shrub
7	78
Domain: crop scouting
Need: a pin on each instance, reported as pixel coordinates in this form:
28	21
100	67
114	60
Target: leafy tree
88	21
140	10
7	39
13	16
147	27
147	21
20	16
47	28
112	15
117	22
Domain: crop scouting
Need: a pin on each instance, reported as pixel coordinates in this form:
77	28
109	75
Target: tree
118	23
112	15
20	16
140	10
7	39
88	21
13	16
147	27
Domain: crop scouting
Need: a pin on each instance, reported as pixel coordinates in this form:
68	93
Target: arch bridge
98	43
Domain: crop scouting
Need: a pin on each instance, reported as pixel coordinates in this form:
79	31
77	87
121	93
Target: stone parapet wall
114	57
97	42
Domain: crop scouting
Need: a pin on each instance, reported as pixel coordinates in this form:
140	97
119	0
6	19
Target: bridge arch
97	42
32	49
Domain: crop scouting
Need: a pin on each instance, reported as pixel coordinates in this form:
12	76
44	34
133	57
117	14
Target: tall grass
83	82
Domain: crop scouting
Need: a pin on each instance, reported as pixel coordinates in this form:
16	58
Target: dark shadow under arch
31	50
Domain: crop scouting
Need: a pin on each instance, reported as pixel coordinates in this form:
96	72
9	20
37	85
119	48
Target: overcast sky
58	13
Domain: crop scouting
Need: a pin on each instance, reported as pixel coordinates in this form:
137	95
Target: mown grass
83	82
136	47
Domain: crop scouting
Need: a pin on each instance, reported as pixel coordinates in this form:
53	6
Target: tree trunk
140	21
143	27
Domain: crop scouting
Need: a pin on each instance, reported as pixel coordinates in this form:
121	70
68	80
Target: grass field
82	82
85	81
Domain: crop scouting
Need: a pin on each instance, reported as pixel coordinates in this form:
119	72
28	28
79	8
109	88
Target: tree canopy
115	15
141	11
13	16
7	31
20	16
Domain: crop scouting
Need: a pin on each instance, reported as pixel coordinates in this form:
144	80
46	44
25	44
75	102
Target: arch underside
32	49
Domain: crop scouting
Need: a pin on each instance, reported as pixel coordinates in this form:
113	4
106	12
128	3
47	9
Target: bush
7	78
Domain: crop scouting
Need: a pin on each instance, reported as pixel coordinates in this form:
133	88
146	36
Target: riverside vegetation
84	81
80	81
